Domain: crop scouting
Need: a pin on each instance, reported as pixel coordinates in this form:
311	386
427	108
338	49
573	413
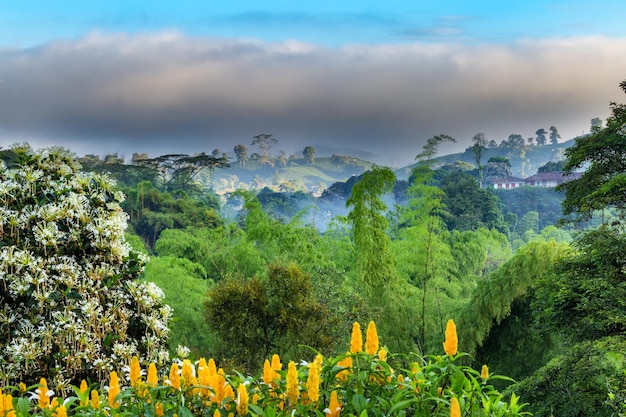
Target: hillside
290	175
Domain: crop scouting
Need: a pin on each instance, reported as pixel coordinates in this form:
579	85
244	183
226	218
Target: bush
72	307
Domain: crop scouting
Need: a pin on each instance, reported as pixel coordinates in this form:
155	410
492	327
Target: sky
381	77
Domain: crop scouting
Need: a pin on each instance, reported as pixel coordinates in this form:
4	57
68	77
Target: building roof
554	176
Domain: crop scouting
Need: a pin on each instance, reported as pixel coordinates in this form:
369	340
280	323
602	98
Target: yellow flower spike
216	413
188	378
345	363
1	403
8	406
268	373
114	389
228	392
212	367
334	407
484	372
152	379
84	393
42	394
455	408
276	366
95	399
22	387
255	398
242	400
158	410
313	382
59	410
382	354
204	378
371	339
293	390
451	344
356	340
135	372
174	376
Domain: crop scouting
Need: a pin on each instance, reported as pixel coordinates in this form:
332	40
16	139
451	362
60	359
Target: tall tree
554	135
479	146
603	154
309	154
369	224
430	150
264	141
541	136
241	152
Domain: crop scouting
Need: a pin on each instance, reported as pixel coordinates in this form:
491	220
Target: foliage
309	154
152	211
468	206
587	297
578	382
72	306
369	227
253	317
355	384
185	287
603	156
515	279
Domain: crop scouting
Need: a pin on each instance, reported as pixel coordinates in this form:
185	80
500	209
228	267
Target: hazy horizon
161	78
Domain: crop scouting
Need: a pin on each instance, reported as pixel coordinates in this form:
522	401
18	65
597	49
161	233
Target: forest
536	284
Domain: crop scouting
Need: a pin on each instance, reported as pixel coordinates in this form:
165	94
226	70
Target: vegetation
358	383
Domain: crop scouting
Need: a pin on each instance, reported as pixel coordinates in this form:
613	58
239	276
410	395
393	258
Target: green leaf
359	403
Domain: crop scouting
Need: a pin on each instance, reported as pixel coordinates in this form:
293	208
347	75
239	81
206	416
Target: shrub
72	306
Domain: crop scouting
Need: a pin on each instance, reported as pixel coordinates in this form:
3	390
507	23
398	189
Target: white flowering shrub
71	306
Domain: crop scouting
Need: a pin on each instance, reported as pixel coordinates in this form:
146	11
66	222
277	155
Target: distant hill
290	175
524	160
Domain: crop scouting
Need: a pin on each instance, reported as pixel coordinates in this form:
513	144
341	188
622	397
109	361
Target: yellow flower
382	354
268	373
135	372
43	394
293	390
242	400
345	363
114	389
255	398
22	387
451	344
6	405
95	399
484	372
59	411
152	379
313	382
334	407
158	409
188	377
174	376
216	413
455	408
356	340
371	339
84	393
276	366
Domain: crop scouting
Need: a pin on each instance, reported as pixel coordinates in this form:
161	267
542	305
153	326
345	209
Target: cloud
167	92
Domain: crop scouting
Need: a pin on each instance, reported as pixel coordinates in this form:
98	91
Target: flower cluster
432	386
71	305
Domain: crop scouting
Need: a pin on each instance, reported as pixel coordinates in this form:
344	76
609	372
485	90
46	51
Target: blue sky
381	76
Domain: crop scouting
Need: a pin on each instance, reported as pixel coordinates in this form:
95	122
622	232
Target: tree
541	136
264	141
596	124
179	170
241	152
479	145
72	305
369	226
309	154
429	151
603	154
554	135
